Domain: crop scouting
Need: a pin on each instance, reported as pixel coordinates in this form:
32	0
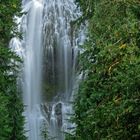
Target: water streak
32	41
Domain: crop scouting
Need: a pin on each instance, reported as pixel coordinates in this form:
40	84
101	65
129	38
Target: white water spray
33	68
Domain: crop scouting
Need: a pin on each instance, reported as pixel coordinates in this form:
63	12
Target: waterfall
33	69
49	49
60	41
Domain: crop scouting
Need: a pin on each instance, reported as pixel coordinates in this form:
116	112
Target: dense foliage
108	103
11	108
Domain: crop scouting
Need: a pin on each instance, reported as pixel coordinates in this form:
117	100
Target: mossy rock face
52	92
49	91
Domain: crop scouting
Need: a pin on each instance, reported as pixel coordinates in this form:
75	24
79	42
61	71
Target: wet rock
58	113
58	109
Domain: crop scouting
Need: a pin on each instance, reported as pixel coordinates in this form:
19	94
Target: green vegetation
108	103
11	108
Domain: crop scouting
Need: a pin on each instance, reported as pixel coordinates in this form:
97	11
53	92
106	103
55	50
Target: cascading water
32	77
31	50
49	50
60	44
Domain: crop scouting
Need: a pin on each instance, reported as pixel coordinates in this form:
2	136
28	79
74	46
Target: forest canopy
108	102
11	108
